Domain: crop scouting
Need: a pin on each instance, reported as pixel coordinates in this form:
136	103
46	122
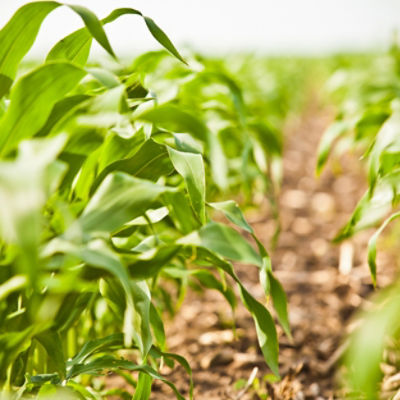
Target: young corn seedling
100	197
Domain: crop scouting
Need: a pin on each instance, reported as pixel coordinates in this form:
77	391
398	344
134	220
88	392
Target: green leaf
25	184
96	346
105	77
208	280
94	26
84	174
17	282
118	12
150	262
181	360
333	132
60	109
154	29
96	254
18	36
32	100
119	199
176	119
372	245
158	327
280	302
268	138
364	353
141	317
162	38
265	326
74	47
273	288
150	162
3	107
187	143
81	391
143	387
228	243
117	148
111	363
71	310
151	217
48	384
218	160
232	211
137	306
12	344
369	210
190	166
387	137
180	211
51	341
112	291
99	256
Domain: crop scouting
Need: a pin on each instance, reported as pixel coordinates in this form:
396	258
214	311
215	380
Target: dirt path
324	283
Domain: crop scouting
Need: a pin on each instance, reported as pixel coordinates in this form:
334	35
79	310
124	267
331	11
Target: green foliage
222	104
367	93
368	119
104	181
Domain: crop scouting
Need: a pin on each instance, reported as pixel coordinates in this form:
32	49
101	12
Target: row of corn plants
367	92
245	153
109	182
245	101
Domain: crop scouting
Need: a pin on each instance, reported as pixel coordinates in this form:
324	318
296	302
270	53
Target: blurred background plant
366	91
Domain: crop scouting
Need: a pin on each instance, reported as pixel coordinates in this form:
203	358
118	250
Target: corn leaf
232	211
17	37
190	166
226	242
372	245
119	199
32	100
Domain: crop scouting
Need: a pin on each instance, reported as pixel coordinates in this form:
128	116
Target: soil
325	285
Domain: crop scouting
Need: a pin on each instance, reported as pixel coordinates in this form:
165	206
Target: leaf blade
32	100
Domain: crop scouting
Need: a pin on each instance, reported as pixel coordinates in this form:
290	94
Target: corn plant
235	109
369	119
105	193
209	103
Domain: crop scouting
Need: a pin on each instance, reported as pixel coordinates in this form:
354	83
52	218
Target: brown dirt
324	283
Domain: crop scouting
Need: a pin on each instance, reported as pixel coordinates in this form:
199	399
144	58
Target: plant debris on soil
325	285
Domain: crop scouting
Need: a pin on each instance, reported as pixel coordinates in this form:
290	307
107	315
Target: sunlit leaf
119	199
17	37
232	211
228	243
191	167
162	38
32	100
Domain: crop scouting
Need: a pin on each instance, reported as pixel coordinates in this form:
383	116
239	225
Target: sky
222	26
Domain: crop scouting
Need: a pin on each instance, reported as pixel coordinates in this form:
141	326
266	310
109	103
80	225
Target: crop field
194	227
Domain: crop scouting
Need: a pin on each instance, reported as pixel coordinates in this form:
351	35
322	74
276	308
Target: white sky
271	26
